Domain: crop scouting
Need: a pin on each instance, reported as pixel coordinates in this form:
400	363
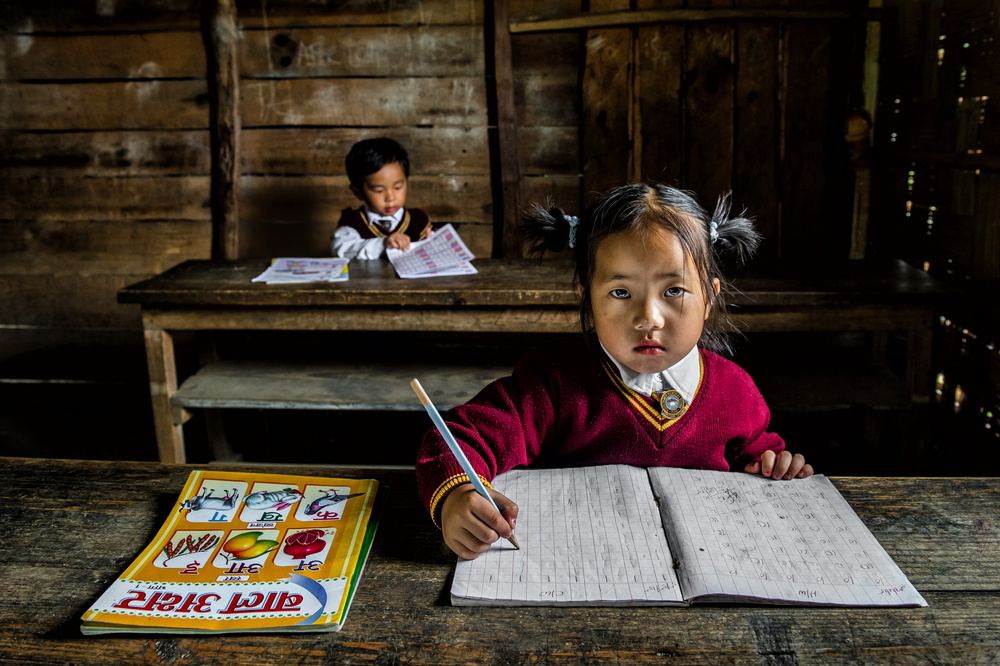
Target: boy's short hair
368	156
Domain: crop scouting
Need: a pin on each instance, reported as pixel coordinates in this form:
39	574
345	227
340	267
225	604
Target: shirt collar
397	217
684	375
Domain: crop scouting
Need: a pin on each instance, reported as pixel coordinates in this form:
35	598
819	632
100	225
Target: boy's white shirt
348	243
684	375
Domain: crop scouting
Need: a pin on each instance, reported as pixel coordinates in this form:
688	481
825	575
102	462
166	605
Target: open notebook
621	535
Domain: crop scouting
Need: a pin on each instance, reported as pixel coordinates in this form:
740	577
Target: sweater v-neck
646	409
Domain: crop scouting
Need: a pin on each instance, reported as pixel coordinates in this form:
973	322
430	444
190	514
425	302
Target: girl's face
647	300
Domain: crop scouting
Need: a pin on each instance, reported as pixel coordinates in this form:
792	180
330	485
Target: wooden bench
505	297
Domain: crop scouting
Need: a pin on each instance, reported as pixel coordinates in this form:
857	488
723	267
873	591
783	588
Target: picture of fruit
304	543
241	542
248	545
262	546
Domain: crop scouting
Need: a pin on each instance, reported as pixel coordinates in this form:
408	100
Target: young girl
644	387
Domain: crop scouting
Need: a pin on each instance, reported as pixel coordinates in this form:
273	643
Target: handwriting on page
796	540
586	537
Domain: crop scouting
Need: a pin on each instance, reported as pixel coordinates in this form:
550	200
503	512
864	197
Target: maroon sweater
568	407
415	224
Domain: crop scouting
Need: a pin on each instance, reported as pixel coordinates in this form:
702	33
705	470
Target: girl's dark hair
638	208
368	156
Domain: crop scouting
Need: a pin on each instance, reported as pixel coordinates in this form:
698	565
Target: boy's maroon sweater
415	223
567	407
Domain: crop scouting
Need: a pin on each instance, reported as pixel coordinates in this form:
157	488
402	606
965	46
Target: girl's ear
716	287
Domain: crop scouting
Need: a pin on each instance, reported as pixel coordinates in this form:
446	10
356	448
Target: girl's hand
470	524
783	465
398	240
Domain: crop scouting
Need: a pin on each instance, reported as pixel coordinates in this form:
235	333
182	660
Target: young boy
378	170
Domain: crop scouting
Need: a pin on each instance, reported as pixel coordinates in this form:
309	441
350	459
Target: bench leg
162	386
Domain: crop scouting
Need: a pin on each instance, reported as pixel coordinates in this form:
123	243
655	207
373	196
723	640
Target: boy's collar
397	216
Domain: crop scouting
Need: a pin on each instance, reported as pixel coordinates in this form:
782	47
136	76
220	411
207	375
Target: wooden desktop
71	527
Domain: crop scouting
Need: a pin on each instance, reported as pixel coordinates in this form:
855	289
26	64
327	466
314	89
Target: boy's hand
398	240
470	524
783	465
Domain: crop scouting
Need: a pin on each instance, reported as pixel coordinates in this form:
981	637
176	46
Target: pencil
456	450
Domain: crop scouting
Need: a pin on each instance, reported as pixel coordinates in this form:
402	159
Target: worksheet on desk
588	536
444	253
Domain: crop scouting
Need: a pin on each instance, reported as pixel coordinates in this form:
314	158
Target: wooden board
274	151
69	248
607	115
165	104
140	15
354	386
756	132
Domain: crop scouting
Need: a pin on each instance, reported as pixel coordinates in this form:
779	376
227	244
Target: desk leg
162	387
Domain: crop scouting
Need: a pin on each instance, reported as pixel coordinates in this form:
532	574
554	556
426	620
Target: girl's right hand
470	524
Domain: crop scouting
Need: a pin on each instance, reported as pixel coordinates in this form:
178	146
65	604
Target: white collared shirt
684	375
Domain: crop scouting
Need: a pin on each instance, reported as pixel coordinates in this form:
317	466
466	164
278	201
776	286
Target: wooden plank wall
938	153
754	101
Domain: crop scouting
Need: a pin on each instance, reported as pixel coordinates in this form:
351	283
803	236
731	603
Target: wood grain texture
354	386
708	123
183	104
506	159
607	114
222	53
660	103
29	16
320	198
298	52
756	132
526	283
384	51
64	301
941	532
100	247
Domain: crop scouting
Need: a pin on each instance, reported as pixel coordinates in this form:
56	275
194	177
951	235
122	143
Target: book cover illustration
247	552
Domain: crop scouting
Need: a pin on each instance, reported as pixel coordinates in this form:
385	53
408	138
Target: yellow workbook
245	552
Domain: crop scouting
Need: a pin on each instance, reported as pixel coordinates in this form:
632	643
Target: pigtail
546	229
732	235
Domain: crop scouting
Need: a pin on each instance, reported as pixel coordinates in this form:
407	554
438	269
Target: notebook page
588	536
795	541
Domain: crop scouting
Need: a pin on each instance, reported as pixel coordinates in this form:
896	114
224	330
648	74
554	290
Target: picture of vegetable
189	545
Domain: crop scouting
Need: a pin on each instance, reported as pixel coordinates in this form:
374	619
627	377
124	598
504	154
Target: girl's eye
619	293
674	292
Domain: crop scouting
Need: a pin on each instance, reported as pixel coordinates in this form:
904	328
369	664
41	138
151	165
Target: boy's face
384	191
647	298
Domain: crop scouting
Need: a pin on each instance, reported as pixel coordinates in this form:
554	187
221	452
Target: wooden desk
71	527
504	297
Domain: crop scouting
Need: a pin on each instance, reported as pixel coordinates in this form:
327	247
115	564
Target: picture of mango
259	548
241	542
